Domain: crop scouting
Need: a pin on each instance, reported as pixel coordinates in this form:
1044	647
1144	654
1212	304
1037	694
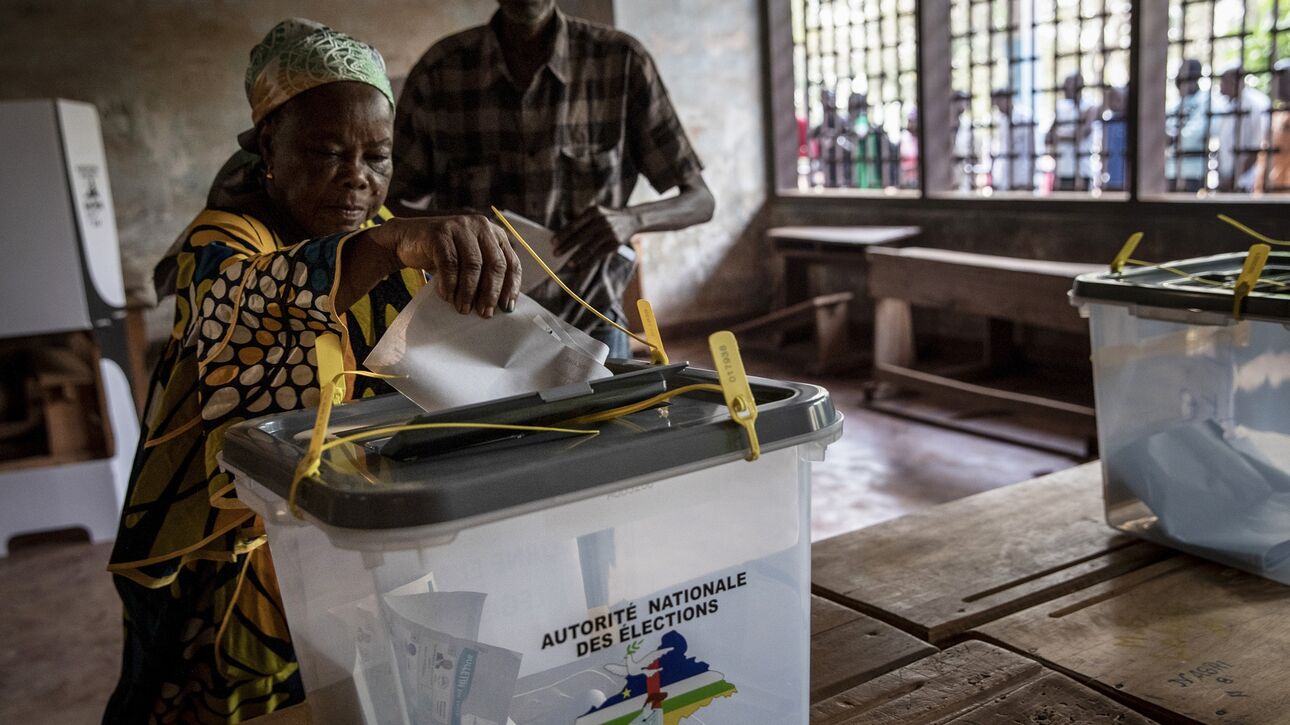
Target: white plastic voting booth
68	427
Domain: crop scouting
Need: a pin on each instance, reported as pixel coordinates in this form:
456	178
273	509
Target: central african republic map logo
661	686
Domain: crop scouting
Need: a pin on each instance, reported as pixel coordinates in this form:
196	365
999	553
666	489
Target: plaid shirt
595	117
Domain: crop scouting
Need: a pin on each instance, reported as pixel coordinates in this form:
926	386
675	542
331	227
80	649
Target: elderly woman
294	243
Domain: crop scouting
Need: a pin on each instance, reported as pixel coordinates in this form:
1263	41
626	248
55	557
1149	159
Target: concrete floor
60	631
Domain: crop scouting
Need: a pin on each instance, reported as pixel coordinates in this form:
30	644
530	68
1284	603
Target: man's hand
472	261
595	234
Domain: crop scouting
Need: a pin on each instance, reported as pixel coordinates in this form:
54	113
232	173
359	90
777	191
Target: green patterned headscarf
298	55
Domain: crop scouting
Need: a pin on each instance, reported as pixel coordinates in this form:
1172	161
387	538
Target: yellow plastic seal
331	389
1126	252
735	387
657	354
331	363
1249	277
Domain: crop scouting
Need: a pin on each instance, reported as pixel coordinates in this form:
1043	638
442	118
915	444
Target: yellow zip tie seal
735	387
1126	252
331	388
556	278
657	354
1257	235
1249	277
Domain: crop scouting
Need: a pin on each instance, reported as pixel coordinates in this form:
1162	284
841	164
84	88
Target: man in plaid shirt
554	118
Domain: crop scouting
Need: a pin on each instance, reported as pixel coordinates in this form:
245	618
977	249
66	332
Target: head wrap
298	55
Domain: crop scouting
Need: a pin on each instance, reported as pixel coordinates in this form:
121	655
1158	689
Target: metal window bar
1045	142
1221	143
855	89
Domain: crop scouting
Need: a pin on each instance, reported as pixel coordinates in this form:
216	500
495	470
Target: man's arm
600	229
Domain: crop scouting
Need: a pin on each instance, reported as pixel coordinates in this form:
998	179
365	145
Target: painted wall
167	78
709	54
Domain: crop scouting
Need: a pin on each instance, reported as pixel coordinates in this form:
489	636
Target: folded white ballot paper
444	359
542	241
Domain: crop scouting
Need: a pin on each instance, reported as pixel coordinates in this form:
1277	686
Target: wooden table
800	247
1031	567
972	683
942	571
1183	637
848	648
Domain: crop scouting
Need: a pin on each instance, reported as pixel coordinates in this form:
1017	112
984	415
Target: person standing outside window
1012	166
1071	136
554	118
1273	170
965	156
831	142
1187	131
870	144
908	150
1115	139
1242	130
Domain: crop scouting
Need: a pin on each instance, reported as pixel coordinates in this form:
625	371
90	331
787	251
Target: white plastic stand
86	494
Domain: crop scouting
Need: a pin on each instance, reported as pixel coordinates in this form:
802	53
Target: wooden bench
1006	291
942	571
972	683
828	315
798	249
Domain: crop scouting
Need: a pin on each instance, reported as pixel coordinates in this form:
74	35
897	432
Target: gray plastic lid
1158	287
358	488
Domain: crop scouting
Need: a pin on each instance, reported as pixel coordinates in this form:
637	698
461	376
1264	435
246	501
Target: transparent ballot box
647	574
1193	407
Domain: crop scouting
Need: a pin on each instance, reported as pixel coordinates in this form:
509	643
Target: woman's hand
472	261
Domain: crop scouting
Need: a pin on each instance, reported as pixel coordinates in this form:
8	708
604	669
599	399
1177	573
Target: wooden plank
57	367
942	571
848	648
826	315
1184	637
795	315
1042	267
972	393
1075	438
1028	291
294	715
893	332
840	237
971	683
136	340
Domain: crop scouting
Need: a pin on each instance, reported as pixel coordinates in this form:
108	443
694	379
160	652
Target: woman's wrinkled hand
473	263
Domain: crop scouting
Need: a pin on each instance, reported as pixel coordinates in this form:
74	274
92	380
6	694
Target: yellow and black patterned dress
206	640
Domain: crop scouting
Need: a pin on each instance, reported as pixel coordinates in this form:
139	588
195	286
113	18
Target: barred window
1226	121
1041	95
855	85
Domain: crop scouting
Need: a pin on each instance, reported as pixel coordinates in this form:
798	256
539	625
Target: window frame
1146	192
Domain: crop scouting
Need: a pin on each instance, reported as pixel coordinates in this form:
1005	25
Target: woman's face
328	150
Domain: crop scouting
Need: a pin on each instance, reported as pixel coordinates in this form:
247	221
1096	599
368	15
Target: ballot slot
1275	278
531	410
